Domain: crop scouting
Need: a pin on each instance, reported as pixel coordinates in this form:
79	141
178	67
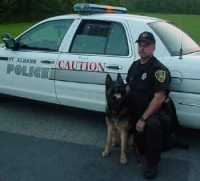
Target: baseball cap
146	37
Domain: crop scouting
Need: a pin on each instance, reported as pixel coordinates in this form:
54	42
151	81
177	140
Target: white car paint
84	88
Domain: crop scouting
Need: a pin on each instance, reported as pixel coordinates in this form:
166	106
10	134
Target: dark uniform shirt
144	80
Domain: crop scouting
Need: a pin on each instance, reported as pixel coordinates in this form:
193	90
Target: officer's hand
140	125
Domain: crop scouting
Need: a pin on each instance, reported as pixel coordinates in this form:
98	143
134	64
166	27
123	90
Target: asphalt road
49	142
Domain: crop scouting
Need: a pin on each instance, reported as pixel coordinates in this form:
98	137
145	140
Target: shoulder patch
160	75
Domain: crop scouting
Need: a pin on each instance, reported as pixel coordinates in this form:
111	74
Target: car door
97	48
6	81
34	61
184	67
185	89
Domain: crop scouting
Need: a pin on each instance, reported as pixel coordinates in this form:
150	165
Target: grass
188	23
14	28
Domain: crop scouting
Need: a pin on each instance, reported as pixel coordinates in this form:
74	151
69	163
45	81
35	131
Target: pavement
26	158
40	142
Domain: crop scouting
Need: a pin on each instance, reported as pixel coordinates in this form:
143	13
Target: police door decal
91	72
27	67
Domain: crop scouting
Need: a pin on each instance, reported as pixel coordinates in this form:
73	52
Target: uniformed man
148	85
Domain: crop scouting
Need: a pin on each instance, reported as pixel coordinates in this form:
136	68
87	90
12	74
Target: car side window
117	42
100	37
46	36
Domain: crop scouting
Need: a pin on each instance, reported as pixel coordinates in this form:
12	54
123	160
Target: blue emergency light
84	8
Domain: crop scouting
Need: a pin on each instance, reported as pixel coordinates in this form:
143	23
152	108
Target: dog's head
115	92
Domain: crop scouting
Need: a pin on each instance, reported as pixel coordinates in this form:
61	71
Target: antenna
181	49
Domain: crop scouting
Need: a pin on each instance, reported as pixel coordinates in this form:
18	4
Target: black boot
151	172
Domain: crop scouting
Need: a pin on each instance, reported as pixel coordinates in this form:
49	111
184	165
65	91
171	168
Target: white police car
65	59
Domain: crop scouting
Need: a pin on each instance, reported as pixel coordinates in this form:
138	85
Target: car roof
139	18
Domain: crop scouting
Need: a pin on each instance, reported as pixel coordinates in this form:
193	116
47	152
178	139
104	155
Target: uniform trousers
155	135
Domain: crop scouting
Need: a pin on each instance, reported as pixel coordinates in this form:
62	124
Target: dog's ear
119	79
108	80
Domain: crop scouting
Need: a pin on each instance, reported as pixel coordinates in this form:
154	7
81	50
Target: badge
144	76
160	75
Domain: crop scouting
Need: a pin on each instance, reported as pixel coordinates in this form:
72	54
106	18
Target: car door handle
47	62
83	58
114	67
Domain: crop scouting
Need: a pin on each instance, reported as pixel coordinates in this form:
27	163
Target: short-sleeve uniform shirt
145	80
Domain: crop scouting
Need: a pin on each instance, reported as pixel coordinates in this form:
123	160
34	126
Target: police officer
148	85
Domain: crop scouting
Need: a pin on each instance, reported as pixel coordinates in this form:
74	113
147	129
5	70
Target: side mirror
9	41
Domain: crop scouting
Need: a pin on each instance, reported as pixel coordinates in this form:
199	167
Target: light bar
84	8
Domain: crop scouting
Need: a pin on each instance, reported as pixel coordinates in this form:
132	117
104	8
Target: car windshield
174	38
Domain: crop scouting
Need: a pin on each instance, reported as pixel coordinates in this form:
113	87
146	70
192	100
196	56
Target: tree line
26	10
165	6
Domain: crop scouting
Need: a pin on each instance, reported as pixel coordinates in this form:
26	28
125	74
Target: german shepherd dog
117	117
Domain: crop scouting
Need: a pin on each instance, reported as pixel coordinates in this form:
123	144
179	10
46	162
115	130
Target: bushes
22	10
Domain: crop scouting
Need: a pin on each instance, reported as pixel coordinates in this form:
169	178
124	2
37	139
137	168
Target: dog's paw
123	160
105	153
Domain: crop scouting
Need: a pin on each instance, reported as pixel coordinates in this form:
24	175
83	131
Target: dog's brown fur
117	133
118	126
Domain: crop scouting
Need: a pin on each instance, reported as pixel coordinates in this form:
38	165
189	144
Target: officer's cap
146	37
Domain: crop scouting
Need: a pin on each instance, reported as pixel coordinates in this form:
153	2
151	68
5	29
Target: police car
65	59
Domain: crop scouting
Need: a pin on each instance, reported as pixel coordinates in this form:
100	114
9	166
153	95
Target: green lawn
189	23
14	28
